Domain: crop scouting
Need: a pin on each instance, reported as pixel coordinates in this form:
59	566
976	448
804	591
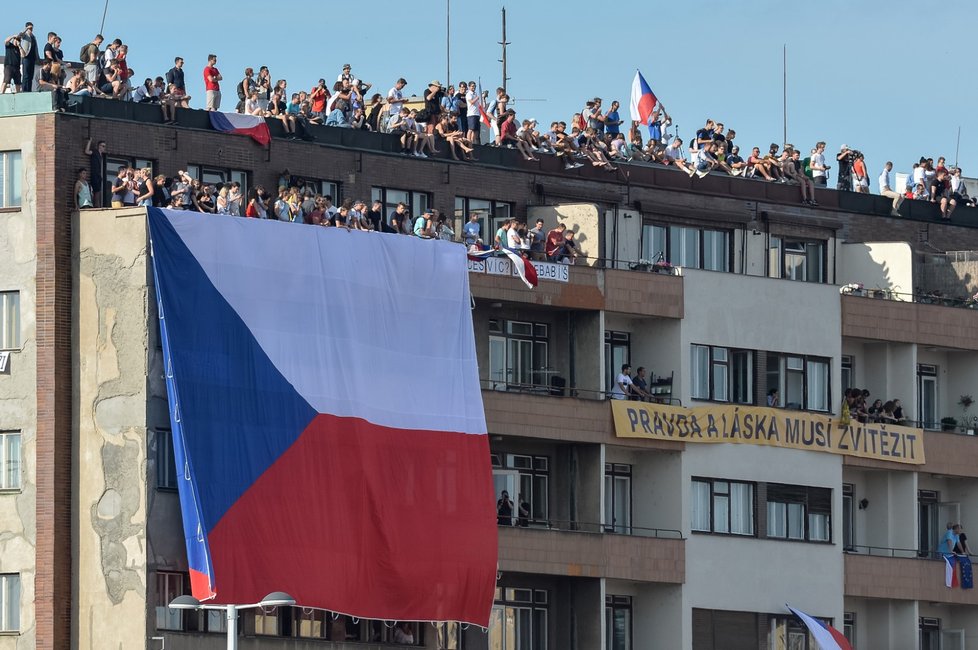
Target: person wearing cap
593	117
845	158
432	106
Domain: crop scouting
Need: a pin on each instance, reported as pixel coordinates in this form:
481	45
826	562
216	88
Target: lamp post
274	599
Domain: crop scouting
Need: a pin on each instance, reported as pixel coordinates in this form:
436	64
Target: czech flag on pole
643	101
250	125
327	419
827	637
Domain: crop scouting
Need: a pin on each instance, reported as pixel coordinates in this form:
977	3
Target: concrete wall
725	573
887	265
18	403
112	396
582	218
622	237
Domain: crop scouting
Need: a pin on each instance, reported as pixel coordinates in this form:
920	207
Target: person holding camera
504	510
846	157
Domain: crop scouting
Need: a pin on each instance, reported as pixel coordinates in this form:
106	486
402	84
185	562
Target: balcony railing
886	551
561	390
567	525
920	297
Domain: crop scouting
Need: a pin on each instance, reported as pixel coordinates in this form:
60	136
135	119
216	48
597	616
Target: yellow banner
755	425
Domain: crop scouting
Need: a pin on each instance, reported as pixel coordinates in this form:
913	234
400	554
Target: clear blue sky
893	79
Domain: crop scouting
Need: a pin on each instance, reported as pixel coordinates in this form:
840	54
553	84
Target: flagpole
104	11
784	91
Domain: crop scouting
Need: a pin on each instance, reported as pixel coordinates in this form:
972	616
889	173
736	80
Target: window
848	378
491	214
217	176
793	259
691	247
11	179
848	516
9	602
518	353
519	620
168	586
722	507
527	479
268	621
617	351
9	320
449	636
727	630
799	512
618	498
618	622
927	396
308	623
849	627
417	202
930	633
345	628
722	374
112	165
789	633
10	460
929	522
803	381
166	464
322	188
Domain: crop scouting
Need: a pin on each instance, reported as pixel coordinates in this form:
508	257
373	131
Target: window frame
803	373
417	200
614	472
165	461
777	262
813	500
668	235
110	170
713	496
536	604
10	321
178	581
502	331
11	167
721	359
10	592
612	605
848	516
6	444
615	341
491	214
927	373
227	174
536	469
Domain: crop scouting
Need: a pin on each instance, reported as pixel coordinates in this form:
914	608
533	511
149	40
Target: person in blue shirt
950	539
612	121
472	231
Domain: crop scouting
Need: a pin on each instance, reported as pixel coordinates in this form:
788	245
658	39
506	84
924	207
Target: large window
527	480
930	633
168	586
722	506
519	620
112	165
417	202
518	353
849	627
803	381
491	214
722	374
10	464
799	512
848	516
618	498
617	352
929	522
794	259
11	179
618	622
217	176
696	248
9	602
848	378
927	396
9	320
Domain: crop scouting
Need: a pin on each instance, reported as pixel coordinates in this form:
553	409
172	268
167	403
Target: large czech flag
827	637
251	125
327	419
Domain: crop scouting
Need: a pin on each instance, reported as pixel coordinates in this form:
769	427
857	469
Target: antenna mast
504	43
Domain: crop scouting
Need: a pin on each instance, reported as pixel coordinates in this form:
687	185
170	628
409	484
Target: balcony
593	555
589	288
947	454
899	321
901	578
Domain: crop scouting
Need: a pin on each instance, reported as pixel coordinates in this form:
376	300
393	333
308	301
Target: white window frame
169	585
10	320
723	490
11	179
165	461
9	602
11	461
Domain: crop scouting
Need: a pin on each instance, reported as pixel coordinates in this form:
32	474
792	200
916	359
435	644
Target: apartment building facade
629	542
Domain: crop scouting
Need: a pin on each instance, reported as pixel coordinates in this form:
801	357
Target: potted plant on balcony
662	266
949	424
641	265
967	424
853	289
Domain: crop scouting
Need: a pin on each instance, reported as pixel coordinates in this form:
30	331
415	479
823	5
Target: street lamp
274	599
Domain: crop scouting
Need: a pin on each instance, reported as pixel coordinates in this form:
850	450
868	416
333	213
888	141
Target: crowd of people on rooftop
454	116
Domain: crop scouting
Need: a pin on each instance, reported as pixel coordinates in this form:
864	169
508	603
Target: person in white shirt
395	98
673	155
623	383
920	174
886	189
820	171
472	103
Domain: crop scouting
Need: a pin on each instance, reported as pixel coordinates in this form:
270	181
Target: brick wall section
587	555
54	390
908	322
559	418
947	454
902	579
646	294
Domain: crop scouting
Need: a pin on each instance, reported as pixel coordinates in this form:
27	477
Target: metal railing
886	551
922	298
551	390
569	526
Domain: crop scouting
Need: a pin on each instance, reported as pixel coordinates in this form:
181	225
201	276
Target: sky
891	79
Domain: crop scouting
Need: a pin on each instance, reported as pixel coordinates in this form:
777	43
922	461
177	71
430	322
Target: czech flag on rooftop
250	125
327	419
643	100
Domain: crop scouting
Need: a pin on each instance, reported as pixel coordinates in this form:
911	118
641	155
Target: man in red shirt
212	79
555	242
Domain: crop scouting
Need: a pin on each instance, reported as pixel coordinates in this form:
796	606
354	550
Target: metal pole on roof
784	91
504	43
957	147
104	11
448	42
